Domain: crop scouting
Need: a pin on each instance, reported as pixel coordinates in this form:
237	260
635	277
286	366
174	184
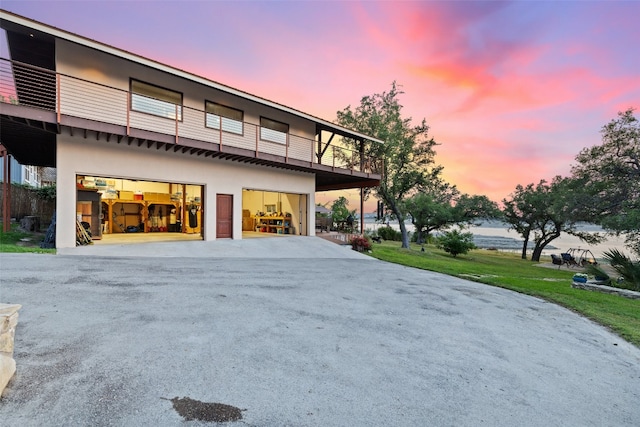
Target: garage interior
110	206
116	210
274	213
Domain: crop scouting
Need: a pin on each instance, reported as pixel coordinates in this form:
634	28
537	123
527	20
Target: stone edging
8	322
627	293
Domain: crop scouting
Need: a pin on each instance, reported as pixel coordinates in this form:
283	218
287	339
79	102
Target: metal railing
24	84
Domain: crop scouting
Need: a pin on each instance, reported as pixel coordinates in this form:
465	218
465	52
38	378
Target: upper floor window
273	131
155	100
219	116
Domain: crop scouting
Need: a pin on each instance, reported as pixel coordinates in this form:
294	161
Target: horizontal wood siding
246	141
193	127
152	123
92	101
272	148
300	148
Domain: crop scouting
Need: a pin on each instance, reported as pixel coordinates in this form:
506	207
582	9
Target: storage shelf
141	215
273	224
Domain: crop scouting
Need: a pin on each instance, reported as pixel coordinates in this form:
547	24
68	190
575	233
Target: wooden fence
25	202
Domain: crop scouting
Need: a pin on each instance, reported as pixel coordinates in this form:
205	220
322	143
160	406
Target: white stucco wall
79	156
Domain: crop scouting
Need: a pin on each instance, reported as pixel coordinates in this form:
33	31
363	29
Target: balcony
37	104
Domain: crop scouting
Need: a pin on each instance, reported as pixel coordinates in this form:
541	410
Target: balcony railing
68	96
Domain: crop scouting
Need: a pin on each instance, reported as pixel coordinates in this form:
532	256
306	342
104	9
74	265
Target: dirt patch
32	240
191	409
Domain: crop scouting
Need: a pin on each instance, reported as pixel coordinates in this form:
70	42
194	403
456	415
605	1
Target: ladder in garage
116	221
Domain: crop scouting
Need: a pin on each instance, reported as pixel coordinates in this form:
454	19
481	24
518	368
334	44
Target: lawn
507	270
17	241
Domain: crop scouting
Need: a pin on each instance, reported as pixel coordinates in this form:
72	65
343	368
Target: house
141	146
21	174
34	176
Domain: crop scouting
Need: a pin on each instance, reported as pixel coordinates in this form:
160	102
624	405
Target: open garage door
274	212
111	206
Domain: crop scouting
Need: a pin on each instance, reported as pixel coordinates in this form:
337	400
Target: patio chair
569	260
557	260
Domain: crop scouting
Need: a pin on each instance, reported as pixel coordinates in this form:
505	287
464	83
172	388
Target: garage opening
110	206
274	213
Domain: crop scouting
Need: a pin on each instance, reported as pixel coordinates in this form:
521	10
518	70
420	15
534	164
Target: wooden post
257	139
220	136
362	211
128	114
6	190
110	215
177	107
59	101
183	210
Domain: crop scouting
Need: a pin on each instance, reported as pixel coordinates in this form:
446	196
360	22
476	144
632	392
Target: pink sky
512	91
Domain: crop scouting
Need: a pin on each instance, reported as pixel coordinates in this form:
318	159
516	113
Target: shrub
388	233
455	243
360	243
598	273
426	238
629	270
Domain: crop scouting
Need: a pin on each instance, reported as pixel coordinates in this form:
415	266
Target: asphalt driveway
297	333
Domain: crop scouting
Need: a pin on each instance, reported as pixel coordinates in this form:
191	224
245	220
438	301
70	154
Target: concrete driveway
296	332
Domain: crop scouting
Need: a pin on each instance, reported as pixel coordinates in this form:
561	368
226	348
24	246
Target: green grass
17	241
507	270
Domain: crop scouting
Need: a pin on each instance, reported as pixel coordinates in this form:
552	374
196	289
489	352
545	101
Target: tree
544	211
610	174
407	152
468	209
519	212
430	212
427	214
340	213
430	209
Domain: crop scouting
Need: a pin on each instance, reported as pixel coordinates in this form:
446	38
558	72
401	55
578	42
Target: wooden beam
362	211
6	190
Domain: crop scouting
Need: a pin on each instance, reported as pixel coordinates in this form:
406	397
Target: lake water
494	234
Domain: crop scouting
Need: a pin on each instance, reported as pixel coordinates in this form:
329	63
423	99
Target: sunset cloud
512	90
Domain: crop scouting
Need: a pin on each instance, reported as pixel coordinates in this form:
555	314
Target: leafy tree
427	214
430	209
340	212
520	211
431	212
610	174
544	211
455	242
469	209
407	152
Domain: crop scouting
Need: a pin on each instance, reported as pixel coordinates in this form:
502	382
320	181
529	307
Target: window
273	131
155	100
229	118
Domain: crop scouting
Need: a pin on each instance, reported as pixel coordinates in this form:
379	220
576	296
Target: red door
224	215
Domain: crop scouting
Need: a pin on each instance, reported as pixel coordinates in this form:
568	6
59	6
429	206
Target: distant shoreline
496	235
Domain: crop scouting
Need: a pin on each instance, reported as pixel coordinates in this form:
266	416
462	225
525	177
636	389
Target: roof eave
93	44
